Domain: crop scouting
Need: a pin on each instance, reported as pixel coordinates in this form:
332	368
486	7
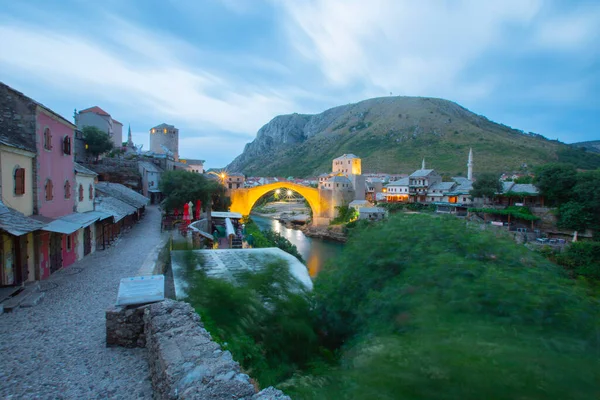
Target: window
47	139
19	181
49	190
67	190
69	244
91	189
67	145
80	192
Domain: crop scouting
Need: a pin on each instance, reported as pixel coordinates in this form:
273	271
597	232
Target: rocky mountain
592	145
393	134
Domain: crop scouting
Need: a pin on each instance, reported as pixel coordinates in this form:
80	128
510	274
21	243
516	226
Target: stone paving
56	350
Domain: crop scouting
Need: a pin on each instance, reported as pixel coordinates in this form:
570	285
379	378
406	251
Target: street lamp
278	191
289	193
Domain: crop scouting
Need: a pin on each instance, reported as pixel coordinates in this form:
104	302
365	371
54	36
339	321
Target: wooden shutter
20	181
67	145
91	192
80	192
67	190
49	189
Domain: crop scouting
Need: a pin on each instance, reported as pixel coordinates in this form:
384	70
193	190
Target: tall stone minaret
423	163
129	137
470	165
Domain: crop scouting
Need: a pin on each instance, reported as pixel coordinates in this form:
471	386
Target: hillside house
97	117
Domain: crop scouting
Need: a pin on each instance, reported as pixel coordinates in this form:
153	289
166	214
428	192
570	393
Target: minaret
129	138
423	164
470	165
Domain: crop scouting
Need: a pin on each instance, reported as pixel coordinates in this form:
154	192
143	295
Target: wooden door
87	241
55	252
20	264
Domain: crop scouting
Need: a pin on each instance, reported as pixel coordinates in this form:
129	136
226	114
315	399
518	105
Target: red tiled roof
96	110
114	120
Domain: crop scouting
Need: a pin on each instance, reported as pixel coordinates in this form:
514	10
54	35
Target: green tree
555	182
486	186
181	187
586	193
97	141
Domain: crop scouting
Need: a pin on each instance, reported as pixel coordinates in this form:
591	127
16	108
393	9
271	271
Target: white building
193	165
95	116
151	174
86	217
397	191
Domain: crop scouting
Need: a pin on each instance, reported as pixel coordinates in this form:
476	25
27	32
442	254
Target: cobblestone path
56	350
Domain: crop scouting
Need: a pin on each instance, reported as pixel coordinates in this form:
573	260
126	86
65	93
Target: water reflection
316	252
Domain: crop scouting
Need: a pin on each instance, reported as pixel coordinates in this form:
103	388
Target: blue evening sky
220	69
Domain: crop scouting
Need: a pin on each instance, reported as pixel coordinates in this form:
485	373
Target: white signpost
141	289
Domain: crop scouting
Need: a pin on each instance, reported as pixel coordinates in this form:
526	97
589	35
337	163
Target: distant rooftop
399	182
421	173
95	110
163	125
346	156
80	169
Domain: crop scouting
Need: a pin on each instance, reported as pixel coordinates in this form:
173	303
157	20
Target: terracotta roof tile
96	110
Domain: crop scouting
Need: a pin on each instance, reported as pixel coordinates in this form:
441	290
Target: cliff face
393	134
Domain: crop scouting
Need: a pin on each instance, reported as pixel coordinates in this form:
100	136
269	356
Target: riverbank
286	212
332	232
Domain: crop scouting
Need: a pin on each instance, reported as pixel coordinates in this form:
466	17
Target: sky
220	69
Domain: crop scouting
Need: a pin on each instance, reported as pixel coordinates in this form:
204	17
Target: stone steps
33	299
31	289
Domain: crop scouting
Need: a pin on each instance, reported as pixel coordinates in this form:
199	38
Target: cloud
571	31
402	46
144	71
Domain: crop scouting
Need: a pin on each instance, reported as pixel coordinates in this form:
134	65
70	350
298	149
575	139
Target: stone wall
125	327
184	361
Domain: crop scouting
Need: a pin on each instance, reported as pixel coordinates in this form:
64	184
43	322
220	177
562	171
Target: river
316	252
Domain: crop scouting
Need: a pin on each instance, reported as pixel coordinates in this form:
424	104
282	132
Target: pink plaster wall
69	257
56	165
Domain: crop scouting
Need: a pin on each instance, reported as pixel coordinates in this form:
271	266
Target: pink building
51	136
55	187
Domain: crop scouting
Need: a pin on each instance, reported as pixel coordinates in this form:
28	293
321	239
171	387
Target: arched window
47	139
67	190
49	190
80	192
91	190
19	181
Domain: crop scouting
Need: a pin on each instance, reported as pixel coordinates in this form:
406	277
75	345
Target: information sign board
141	289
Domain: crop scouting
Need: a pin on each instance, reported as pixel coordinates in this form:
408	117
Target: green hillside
393	134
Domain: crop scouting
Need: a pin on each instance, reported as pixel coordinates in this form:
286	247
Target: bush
433	308
264	319
269	238
582	259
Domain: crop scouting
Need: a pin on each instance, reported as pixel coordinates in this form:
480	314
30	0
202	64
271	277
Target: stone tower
350	166
423	163
164	139
470	165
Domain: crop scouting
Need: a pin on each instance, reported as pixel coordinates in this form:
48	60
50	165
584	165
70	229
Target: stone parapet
125	327
185	363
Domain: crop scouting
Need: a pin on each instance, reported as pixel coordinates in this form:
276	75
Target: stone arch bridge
322	202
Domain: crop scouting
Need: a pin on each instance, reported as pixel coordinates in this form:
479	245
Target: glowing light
289	193
278	191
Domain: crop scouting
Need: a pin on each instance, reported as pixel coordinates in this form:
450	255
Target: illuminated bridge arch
242	200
